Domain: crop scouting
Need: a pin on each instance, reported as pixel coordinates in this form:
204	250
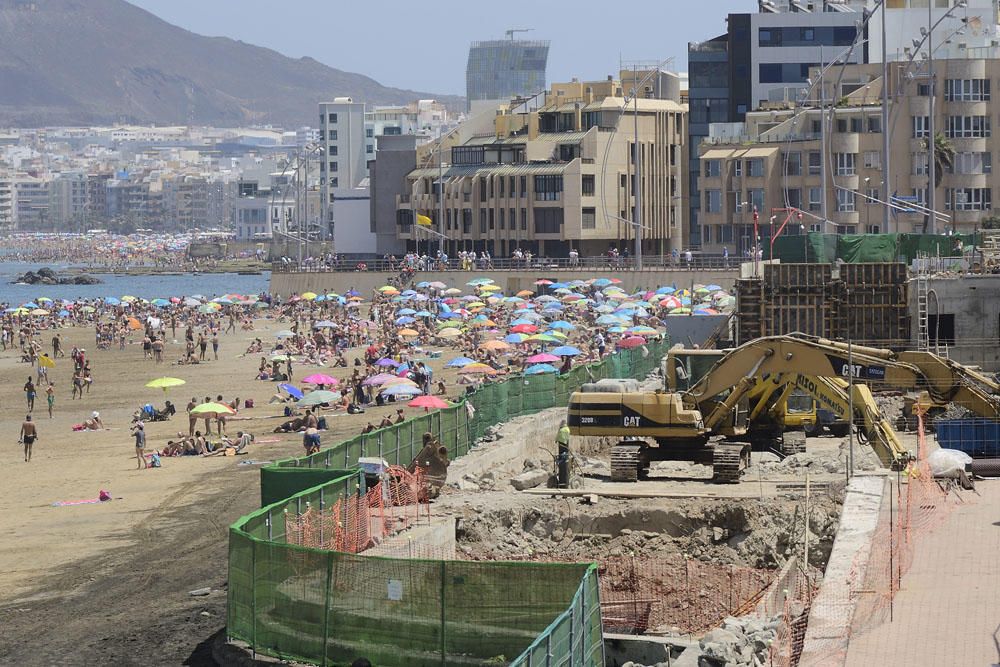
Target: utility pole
637	216
886	213
822	140
931	168
440	194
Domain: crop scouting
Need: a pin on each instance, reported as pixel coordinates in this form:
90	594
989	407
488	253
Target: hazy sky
424	45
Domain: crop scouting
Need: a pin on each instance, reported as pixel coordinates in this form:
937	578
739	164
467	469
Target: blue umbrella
292	390
63	313
111	301
609	319
424	313
562	324
449	316
460	361
602	282
406	311
521	320
565	351
422	284
666	290
353	292
30	304
538	369
405	320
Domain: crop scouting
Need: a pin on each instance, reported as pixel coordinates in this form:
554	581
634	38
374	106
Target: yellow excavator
680	422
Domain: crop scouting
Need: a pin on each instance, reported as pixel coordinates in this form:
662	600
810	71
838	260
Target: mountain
79	62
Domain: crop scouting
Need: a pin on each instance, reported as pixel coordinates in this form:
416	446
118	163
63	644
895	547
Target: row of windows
968	199
967	90
956	127
807	36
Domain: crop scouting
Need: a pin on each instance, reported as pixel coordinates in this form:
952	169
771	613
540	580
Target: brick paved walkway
948	609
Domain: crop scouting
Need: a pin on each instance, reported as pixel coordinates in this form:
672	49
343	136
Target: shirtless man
28	436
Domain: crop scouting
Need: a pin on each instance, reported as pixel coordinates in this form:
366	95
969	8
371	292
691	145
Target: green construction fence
457	427
820	248
329	608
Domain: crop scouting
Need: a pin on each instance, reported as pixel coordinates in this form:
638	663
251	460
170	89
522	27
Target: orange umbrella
408	332
494	345
134	324
478	368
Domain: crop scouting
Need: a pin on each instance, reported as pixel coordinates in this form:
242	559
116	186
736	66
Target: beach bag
154	461
103	495
248	403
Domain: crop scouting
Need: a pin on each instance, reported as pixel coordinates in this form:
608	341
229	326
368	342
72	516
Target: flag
424	220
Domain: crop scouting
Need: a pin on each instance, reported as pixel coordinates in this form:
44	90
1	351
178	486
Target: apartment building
7	208
778	161
499	70
556	177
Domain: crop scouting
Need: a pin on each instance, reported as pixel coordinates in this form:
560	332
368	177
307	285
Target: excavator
681	418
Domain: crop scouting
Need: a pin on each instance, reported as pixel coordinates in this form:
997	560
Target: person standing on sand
215	344
29	393
139	433
28	436
50	397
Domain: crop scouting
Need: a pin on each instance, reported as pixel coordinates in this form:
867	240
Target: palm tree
944	159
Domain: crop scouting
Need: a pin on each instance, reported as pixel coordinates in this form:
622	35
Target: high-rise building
343	160
501	69
558	177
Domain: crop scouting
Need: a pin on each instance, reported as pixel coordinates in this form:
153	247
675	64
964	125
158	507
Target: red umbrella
632	341
524	328
428	402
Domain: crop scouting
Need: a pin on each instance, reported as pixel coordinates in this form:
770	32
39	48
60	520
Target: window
968	199
873	197
492	218
501	181
875	124
511	182
548	188
793	164
967	90
512	218
817	126
845	164
706	234
737	168
921	126
755	167
466	220
815	163
482	189
873	160
589	218
713	201
967	126
845	201
841	125
332	118
333	166
468	155
920	164
334	182
404	217
756	197
587	185
713	168
548	220
332	134
482	221
369	132
873	229
332	151
794	196
973	163
369	149
502	216
524	219
524	186
726	234
921	196
815	199
923	90
941	328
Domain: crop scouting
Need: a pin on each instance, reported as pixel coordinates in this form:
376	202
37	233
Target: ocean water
118	285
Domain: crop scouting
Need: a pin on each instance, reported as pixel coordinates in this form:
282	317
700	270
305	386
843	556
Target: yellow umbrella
490	288
128	297
483	323
476	304
387	288
216	409
408	332
525	293
164	383
39	311
45	361
308	296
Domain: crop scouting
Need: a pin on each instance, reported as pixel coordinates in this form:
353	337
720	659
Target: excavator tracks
629	459
729	462
793	442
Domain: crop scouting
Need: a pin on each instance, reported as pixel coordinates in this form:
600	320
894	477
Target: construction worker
562	460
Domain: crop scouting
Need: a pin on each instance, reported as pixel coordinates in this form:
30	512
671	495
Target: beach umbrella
39	311
134	324
406	311
557	334
458	362
452	291
324	324
212	409
284	333
543	281
111	301
545	338
423	313
538	369
291	389
128	298
631	341
643	331
480	281
29	305
394	380
191	302
43	299
386	361
309	296
478	368
428	402
706	311
45	361
437	284
160	302
318	397
515	338
209	308
321	378
524	328
86	309
405	319
449	332
281	357
377	379
562	324
542	358
401	390
63	313
680	311
566	351
495	345
671	302
601	282
616	330
525	293
408	332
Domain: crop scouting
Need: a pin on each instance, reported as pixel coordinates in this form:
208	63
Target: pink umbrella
632	341
542	358
427	402
381	378
321	378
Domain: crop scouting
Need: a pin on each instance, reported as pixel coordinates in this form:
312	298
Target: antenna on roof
510	33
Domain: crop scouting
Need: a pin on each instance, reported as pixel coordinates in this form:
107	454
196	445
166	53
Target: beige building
775	160
555	174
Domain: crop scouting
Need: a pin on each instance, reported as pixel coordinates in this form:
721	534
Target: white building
347	148
7	207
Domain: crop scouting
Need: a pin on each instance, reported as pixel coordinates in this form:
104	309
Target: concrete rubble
740	642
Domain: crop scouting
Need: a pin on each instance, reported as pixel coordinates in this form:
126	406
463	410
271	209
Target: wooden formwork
865	303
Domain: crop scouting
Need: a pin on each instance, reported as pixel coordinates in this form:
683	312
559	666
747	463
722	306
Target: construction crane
510	33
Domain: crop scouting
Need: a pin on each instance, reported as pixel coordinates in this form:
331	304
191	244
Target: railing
698	262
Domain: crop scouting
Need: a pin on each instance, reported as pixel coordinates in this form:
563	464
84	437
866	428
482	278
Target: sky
424	46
